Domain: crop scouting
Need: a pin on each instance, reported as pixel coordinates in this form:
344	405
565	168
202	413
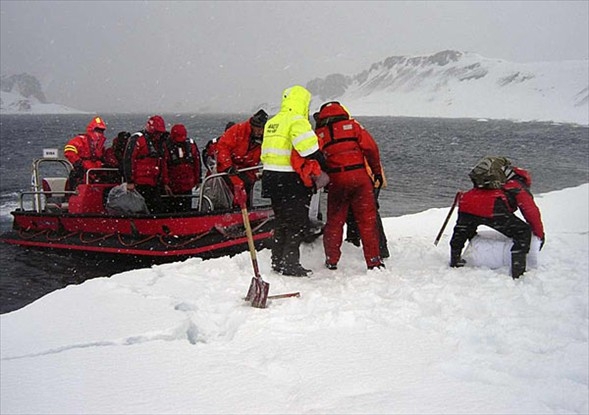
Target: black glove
542	241
231	170
378	178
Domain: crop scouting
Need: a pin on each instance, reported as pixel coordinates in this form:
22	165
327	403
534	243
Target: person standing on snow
289	130
347	146
240	147
495	208
86	151
352	231
143	163
182	160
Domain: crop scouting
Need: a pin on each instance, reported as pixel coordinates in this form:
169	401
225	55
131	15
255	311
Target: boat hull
174	236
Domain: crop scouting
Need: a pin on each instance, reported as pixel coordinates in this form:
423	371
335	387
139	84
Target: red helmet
155	124
96	123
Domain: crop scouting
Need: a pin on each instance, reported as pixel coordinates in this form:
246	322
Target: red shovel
258	290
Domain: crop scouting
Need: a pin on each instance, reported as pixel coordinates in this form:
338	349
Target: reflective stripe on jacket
289	129
86	148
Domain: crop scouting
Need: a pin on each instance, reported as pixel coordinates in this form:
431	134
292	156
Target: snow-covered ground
418	337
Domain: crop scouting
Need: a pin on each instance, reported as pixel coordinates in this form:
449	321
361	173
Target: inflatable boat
52	217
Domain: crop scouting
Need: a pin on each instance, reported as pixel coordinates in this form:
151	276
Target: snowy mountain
457	84
22	94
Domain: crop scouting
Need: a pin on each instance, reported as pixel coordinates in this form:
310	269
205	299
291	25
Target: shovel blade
251	292
258	292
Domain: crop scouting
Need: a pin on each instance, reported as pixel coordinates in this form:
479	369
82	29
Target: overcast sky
156	56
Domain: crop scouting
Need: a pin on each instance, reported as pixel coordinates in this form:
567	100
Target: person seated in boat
86	151
113	155
182	172
240	147
209	153
143	163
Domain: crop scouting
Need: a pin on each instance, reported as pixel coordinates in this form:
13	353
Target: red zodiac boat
51	217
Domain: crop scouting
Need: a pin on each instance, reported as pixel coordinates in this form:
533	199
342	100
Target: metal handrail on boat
38	193
215	175
37	182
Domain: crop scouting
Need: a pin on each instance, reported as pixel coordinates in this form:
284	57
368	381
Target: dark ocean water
426	160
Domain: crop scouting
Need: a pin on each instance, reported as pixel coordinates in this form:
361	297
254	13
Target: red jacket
345	143
235	148
486	203
182	172
518	193
143	160
86	148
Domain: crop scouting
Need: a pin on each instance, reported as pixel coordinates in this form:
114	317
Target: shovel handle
250	241
456	201
288	295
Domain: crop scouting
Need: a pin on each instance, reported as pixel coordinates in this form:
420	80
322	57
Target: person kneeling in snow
495	208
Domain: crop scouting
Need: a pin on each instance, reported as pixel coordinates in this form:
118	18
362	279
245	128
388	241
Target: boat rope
149	238
22	233
58	238
89	241
178	245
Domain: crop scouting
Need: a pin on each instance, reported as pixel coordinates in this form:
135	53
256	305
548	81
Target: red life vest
143	165
183	165
345	144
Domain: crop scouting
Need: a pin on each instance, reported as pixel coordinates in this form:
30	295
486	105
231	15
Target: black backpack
490	172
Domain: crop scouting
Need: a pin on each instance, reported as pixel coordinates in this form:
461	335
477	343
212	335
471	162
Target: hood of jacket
296	100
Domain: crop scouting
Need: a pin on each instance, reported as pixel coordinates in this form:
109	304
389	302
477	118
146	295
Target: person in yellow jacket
288	131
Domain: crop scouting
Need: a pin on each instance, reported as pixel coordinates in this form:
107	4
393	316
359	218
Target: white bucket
492	249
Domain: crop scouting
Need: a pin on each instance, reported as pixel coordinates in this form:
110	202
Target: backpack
490	172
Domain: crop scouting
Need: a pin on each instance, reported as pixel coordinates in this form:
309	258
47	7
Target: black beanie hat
259	119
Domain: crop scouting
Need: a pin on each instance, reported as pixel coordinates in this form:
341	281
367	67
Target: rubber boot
518	264
455	259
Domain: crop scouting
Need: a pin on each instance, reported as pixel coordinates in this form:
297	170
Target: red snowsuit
346	145
143	160
183	165
489	207
236	149
518	193
87	148
181	169
143	166
84	151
